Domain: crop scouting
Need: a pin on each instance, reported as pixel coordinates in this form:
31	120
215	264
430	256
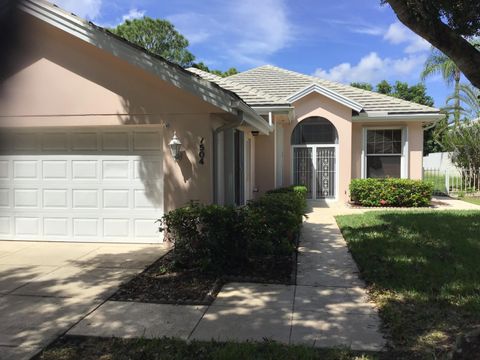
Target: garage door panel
84	169
85	141
146	141
4	198
54	169
5	228
27	226
85	227
144	228
82	186
55	198
25	141
117	141
56	227
85	199
4	170
115	169
116	228
55	141
116	199
141	200
25	169
25	198
153	169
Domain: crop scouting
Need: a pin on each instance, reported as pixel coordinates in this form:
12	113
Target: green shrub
391	192
225	239
300	198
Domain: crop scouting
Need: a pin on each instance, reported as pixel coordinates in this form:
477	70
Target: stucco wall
62	81
415	148
340	117
63	76
264	163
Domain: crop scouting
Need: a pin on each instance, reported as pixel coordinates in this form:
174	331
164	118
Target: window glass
384	153
383	166
314	130
384	141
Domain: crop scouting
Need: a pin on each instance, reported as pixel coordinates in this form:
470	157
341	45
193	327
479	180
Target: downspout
218	130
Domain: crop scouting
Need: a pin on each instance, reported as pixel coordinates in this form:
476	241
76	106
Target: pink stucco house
87	121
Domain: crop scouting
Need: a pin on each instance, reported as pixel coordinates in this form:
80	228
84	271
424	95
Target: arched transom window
314	130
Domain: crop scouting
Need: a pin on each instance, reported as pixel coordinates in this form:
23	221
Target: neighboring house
87	119
441	162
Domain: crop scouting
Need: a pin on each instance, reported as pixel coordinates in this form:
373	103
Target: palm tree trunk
456	115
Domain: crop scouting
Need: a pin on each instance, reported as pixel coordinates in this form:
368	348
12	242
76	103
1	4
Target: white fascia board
264	110
316	88
82	30
385	116
253	119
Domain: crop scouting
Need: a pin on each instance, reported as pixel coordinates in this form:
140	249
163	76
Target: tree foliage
383	87
415	93
468	98
463	141
447	25
204	67
362	85
157	36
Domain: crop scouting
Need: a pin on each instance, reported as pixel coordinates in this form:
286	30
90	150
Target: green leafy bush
226	239
391	192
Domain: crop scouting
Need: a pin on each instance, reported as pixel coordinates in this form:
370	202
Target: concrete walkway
47	287
328	306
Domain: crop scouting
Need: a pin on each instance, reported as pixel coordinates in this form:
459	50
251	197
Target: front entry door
315	167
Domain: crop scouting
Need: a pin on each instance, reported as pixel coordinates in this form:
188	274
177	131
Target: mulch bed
162	283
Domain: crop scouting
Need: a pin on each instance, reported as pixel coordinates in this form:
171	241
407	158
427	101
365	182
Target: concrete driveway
47	287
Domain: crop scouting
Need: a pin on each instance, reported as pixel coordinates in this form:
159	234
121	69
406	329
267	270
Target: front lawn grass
423	270
471	199
93	348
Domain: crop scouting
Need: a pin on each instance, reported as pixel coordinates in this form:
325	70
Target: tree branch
451	43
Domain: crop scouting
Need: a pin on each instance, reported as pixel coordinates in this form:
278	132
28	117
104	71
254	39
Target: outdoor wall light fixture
175	146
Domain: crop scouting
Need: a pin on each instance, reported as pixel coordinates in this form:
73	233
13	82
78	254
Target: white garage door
81	185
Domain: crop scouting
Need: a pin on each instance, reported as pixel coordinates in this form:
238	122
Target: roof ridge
249	70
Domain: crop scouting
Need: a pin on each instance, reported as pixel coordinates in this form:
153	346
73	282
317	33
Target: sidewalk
328	306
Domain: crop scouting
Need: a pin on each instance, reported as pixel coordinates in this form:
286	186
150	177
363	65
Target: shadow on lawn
423	270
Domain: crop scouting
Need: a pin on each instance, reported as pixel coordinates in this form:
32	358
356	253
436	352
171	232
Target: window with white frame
383	153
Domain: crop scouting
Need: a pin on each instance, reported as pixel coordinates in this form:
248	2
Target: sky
342	40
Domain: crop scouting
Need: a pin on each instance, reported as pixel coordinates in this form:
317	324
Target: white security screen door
315	167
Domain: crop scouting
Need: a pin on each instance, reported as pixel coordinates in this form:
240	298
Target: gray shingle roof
269	85
251	95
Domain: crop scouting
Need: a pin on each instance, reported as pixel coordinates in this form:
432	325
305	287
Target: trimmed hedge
226	239
391	192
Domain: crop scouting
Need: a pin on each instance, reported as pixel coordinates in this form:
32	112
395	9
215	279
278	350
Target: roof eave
389	116
253	119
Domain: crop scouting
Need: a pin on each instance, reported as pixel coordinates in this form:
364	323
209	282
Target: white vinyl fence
464	182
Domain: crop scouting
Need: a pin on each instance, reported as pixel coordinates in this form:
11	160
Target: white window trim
404	160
